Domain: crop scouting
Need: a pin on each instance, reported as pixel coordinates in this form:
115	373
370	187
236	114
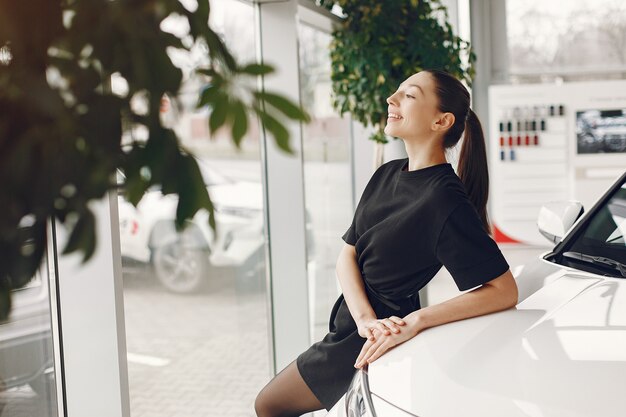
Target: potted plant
61	124
379	45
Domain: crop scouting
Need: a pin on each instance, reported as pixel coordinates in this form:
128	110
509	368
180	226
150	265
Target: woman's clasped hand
367	326
382	336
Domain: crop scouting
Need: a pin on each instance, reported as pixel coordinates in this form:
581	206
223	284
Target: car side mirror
557	217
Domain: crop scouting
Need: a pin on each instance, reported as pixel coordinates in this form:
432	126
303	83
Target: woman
414	216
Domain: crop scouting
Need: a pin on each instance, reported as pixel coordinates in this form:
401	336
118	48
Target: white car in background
183	261
561	352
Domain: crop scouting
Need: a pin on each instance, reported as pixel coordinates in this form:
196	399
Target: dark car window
604	234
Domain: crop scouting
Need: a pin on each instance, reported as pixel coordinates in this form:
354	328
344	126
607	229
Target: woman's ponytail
472	167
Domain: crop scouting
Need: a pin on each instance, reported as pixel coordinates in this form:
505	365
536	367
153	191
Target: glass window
27	385
327	178
570	41
196	312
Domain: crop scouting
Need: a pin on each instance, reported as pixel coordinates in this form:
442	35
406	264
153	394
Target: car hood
242	194
560	352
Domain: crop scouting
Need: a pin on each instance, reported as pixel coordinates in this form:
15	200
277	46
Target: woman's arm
496	295
353	288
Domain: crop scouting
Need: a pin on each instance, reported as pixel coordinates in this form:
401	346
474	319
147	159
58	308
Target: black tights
286	395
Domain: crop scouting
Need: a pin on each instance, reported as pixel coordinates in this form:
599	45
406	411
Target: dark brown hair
472	169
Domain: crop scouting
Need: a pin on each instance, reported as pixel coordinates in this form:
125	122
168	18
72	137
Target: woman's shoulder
448	191
387	169
392	164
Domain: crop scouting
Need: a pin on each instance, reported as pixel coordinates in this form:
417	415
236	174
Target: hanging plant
380	44
61	125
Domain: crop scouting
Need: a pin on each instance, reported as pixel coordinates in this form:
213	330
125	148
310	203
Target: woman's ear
444	122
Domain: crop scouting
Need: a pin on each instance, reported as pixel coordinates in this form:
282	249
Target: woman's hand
386	326
381	343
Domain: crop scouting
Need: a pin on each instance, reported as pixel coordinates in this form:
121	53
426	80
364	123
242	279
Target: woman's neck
424	156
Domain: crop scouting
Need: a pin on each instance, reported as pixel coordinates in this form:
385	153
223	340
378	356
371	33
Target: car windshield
603	235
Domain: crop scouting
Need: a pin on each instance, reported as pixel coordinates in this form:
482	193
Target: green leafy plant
62	127
380	44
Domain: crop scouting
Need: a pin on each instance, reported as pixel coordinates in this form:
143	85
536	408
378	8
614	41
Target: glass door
327	175
196	312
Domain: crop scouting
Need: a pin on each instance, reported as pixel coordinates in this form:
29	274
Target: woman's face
415	103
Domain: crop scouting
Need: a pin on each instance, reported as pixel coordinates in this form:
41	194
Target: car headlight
358	399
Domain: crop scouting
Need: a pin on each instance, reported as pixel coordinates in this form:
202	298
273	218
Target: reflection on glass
575	40
327	180
195	302
27	385
603	235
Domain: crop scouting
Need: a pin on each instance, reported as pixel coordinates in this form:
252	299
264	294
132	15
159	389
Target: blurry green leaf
257	69
102	121
379	136
21	262
193	194
209	95
218	114
284	105
211	72
169	39
277	130
169	77
219	51
240	122
135	188
83	235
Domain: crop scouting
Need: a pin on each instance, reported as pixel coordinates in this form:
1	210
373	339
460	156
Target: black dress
405	227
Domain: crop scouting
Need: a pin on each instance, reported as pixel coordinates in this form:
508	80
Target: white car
560	352
183	261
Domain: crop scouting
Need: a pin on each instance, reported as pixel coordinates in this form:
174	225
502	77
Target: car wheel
180	268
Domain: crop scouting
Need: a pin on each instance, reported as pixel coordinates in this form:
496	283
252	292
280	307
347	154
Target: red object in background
510	140
134	228
519	140
536	140
527	140
501	140
500	237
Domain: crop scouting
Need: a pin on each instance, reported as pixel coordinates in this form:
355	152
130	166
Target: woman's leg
286	395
